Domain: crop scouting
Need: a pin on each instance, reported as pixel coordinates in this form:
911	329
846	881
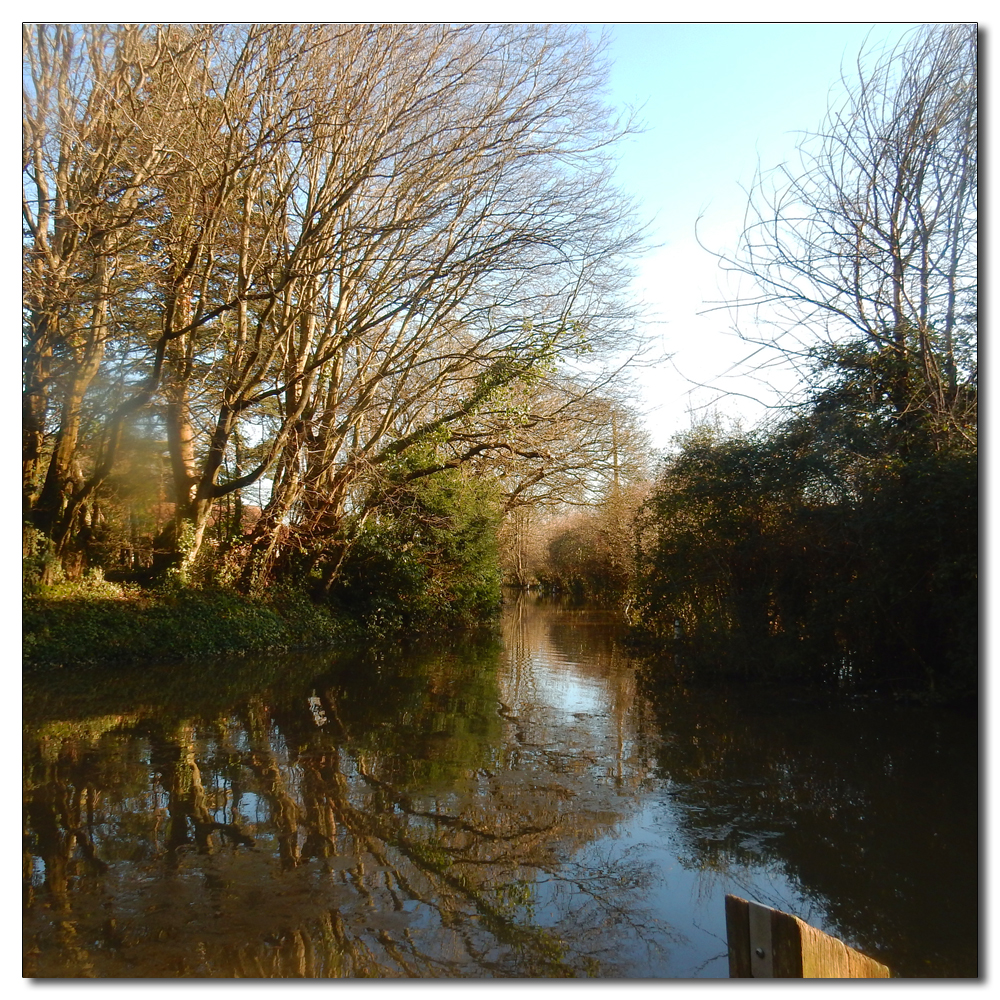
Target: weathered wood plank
767	943
738	937
786	938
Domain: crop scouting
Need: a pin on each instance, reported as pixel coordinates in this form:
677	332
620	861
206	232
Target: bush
429	556
786	558
82	626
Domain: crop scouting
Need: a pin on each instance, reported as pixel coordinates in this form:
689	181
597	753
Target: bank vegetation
331	320
315	305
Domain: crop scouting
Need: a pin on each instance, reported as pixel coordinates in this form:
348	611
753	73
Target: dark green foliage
916	592
718	539
786	556
427	557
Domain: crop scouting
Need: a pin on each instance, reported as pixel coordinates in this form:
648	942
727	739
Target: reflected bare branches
533	811
326	835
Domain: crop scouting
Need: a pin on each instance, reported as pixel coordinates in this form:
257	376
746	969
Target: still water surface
526	807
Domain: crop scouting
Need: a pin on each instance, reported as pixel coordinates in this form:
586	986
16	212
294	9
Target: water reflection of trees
872	810
436	815
340	826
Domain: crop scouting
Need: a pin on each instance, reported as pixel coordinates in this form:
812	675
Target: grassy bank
99	622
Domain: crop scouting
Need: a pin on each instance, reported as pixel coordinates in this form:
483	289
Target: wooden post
768	944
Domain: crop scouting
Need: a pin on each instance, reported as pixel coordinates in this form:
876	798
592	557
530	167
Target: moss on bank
77	625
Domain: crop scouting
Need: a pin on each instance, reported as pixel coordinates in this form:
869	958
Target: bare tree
874	238
581	454
331	242
96	144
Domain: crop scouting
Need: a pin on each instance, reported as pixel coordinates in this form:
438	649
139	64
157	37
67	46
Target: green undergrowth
99	622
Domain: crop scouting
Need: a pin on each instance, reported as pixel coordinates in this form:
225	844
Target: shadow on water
871	810
531	808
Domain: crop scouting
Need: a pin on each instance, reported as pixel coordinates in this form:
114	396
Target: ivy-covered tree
426	553
840	544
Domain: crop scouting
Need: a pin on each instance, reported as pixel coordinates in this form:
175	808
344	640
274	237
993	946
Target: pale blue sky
718	99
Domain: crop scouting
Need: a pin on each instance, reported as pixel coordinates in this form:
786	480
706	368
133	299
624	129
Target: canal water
539	804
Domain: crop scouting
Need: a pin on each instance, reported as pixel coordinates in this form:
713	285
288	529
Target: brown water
530	808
